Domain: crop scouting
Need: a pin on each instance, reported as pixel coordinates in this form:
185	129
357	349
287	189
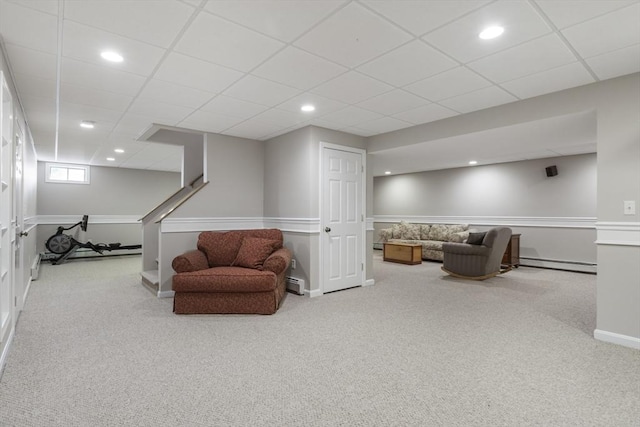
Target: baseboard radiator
295	285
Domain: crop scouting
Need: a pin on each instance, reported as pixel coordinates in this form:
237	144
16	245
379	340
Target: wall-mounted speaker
552	170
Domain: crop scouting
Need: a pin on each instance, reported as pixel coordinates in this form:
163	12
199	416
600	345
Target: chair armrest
190	261
278	262
465	249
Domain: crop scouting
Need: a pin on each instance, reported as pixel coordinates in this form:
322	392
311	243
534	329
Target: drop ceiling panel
615	30
282	19
170	93
323	105
392	102
261	91
448	84
222	42
167	113
407	64
548	81
460	38
616	63
571	12
352	116
338	39
32	62
97	98
383	125
37	87
85	44
29	28
528	58
132	19
284	119
420	16
46	6
297	68
195	73
100	78
478	100
425	114
233	107
207	121
78	112
351	88
254	129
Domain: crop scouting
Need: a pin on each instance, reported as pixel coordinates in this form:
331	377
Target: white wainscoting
93	219
293	225
508	221
618	233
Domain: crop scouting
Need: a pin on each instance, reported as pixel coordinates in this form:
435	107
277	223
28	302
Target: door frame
363	201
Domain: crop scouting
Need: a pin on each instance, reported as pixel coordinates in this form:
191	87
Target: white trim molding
166	294
187	225
93	219
294	225
369	225
510	221
369	282
618	233
619	339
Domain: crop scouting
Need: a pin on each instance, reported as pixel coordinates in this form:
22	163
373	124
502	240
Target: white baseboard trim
559	265
93	219
314	293
619	339
5	351
369	282
509	221
294	225
166	294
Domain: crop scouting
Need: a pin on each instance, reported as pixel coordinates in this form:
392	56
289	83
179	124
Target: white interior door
342	219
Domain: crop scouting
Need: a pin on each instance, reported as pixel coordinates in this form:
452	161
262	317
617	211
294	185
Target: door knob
24	233
327	229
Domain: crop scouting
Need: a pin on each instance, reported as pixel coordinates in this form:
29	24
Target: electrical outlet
629	207
293	263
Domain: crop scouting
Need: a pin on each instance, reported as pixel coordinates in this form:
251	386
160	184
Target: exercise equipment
65	245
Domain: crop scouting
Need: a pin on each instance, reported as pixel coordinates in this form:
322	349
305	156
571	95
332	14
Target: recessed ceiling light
491	32
387	172
119	150
111	159
112	56
473	162
87	124
308	108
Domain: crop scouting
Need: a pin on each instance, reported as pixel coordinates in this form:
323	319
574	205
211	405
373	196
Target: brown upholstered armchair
239	271
478	259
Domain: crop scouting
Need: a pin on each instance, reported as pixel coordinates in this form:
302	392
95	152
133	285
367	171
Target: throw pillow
254	251
459	237
424	231
439	232
409	231
476	238
221	248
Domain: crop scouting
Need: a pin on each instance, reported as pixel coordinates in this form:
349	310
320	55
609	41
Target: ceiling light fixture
87	124
473	162
112	56
119	150
308	108
111	159
387	172
491	32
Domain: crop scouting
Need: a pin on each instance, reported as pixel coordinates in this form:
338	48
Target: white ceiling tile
168	113
47	6
548	81
29	28
565	13
383	125
100	78
393	102
351	116
216	40
460	38
132	19
209	122
478	100
419	16
528	58
170	93
426	114
450	83
282	19
407	64
135	124
282	118
97	98
75	113
340	39
32	62
298	68
253	129
229	106
358	131
351	88
616	63
195	73
33	86
261	91
614	30
168	164
323	105
85	44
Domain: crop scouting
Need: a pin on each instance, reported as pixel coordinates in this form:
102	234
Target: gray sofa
430	236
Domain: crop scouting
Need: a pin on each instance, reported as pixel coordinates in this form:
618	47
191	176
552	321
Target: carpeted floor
93	347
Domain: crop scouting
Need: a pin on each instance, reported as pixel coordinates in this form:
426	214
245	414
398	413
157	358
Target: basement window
70	174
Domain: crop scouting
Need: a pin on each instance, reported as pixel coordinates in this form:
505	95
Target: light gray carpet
93	347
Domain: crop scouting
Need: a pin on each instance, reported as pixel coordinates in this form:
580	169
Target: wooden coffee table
404	253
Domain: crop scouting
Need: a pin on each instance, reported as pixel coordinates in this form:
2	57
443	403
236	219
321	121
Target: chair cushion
221	248
225	279
476	238
254	251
